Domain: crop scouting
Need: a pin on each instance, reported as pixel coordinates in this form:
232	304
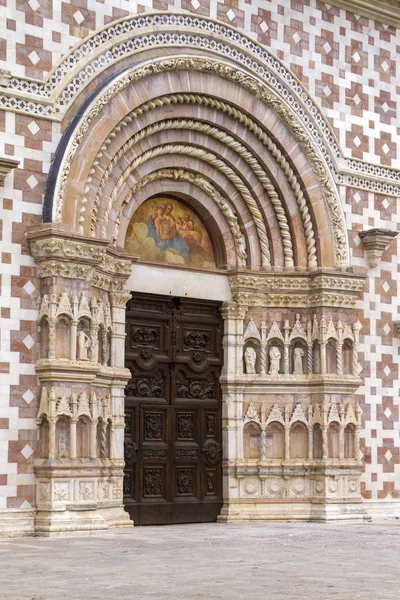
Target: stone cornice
384	11
293	289
295	384
376	242
6	166
59	253
52	242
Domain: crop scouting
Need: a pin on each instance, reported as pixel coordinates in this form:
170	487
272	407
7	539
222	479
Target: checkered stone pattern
32	142
349	64
378	309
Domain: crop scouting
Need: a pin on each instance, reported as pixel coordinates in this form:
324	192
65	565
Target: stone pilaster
291	427
82	376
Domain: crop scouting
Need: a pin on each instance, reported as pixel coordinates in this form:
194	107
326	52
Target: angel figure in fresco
163	230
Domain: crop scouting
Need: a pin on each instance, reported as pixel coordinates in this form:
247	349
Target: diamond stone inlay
26	451
29	288
32	181
34	4
78	16
28	396
387	370
28	341
33	127
296	37
34	57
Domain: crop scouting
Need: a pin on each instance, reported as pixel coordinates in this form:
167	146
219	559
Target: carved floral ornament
255	87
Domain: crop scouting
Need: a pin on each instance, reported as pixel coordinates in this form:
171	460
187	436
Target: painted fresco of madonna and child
165	230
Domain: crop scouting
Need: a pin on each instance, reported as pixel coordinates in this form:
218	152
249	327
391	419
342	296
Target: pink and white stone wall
350	66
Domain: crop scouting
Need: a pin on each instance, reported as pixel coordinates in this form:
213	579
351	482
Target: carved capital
376	241
58	251
64	269
119	299
113	270
232	310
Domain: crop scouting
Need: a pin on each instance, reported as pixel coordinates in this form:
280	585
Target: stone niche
81	323
299	461
291	420
295	351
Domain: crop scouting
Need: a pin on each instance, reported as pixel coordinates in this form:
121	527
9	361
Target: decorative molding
122	38
5	78
376	242
397	325
58	253
296	122
208	188
226	140
6	164
384	11
297	290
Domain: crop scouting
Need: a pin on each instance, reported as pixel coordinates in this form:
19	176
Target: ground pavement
208	561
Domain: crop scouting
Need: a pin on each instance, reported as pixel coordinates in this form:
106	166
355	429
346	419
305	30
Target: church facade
199	279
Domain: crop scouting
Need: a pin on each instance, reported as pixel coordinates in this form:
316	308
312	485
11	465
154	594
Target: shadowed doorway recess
173	451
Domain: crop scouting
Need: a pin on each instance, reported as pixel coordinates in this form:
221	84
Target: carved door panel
173	418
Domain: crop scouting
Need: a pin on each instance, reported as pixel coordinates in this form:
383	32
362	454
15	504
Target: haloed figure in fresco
166	230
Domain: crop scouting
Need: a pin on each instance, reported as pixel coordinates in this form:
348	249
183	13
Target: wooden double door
173	451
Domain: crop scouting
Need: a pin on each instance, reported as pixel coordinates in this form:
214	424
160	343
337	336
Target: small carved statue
275	359
250	360
83	345
298	361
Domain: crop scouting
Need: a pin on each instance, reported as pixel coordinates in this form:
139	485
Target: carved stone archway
241	136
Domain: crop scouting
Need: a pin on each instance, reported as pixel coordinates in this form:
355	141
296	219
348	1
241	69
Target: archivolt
252	85
231	143
237	115
206	186
212	159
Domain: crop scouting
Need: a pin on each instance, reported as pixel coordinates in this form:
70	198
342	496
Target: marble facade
301	210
